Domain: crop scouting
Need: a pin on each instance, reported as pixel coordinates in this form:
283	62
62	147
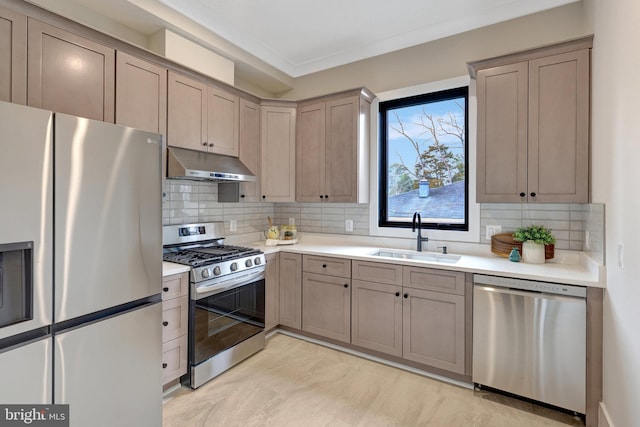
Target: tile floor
296	383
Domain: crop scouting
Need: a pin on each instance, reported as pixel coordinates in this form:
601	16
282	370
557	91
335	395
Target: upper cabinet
332	143
13	56
533	125
69	74
278	131
223	113
141	94
201	117
249	148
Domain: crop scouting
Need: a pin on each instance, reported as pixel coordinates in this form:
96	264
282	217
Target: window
424	160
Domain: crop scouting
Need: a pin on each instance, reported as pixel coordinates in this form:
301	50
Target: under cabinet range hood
183	163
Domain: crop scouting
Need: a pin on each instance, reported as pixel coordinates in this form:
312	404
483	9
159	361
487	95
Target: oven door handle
203	291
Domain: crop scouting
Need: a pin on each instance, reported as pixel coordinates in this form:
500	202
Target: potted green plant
534	238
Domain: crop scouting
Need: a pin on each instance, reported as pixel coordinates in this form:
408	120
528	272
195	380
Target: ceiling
299	37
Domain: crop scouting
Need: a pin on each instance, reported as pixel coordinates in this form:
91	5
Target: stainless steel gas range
226	298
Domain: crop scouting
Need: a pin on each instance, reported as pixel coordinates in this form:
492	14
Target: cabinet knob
165	323
165	289
164	366
533	194
321	196
397	294
406	295
264	197
522	194
242	196
211	144
346	285
204	144
324	265
326	196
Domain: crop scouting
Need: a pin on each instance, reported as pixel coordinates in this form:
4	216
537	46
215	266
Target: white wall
616	156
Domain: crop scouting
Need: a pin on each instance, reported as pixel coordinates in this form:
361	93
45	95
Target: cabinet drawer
174	318
174	359
429	279
377	272
326	265
175	285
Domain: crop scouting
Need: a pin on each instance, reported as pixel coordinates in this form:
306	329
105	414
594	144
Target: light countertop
569	267
170	268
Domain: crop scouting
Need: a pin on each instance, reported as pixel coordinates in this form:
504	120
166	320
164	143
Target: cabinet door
502	134
174	359
141	94
433	329
310	153
291	290
249	148
277	172
187	112
13	57
174	318
341	150
69	74
376	317
222	131
559	128
326	306
272	292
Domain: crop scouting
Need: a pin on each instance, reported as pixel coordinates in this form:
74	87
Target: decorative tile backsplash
578	227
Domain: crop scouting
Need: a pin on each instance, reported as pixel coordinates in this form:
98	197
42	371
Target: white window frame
473	234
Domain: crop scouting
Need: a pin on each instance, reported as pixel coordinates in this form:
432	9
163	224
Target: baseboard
604	420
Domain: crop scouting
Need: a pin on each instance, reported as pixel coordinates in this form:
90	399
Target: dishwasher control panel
530	285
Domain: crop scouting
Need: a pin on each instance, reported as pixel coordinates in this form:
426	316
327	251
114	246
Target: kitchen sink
418	256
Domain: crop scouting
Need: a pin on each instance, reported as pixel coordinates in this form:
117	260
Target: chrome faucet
418	223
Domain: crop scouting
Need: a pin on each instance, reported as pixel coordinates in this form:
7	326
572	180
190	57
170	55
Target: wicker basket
502	243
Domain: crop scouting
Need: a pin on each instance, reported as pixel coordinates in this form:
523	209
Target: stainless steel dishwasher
529	339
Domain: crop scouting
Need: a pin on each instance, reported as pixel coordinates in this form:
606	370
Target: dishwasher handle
530	285
528	294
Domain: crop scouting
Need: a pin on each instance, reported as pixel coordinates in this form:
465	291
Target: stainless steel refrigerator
107	268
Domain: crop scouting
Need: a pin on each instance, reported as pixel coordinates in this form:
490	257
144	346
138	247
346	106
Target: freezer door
108	216
26	191
109	372
26	374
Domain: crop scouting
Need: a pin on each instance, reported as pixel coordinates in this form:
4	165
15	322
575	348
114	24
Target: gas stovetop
199	256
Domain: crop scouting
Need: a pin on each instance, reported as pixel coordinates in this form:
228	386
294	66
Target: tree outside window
424	160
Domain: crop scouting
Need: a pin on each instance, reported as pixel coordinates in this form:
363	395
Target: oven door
225	317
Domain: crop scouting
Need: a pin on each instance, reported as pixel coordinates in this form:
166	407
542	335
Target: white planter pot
532	252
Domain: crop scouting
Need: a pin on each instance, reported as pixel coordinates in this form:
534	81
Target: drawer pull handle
346	285
406	295
324	265
165	289
164	366
397	294
165	323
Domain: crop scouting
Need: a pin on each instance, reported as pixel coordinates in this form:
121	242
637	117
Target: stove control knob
248	263
205	273
234	266
216	271
257	261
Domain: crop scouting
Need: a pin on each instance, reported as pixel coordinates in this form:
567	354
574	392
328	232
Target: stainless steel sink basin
418	256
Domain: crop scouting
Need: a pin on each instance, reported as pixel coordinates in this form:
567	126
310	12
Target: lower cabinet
433	330
376	316
175	306
326	306
291	290
272	292
411	320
